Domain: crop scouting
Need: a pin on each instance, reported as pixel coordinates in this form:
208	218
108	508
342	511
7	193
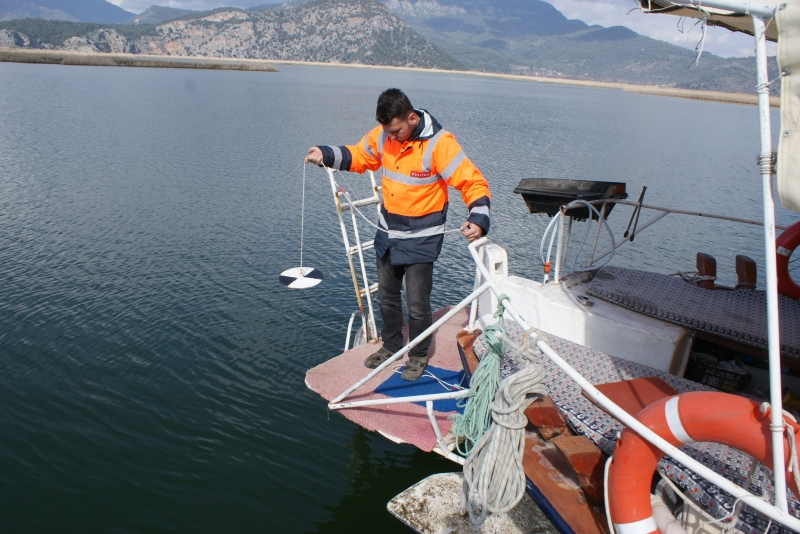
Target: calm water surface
151	366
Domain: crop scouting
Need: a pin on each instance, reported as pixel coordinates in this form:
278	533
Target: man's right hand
314	156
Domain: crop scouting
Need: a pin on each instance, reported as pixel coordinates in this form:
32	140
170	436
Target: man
420	160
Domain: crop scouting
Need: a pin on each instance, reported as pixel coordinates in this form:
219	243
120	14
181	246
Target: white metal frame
662	212
344	203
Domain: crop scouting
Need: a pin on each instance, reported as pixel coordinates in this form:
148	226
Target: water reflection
379	470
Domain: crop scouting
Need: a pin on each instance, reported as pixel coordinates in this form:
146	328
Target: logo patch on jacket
420	174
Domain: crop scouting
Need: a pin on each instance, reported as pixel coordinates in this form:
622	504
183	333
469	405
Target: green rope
477	416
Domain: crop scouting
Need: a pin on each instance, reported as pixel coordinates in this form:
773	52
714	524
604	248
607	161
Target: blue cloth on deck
394	386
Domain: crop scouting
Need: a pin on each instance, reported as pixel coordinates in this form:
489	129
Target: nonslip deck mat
395	386
590	421
737	315
404	422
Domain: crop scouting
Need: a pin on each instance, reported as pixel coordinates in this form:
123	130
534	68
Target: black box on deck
547	195
711	375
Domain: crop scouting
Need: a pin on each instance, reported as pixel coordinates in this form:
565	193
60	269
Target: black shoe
414	368
377	358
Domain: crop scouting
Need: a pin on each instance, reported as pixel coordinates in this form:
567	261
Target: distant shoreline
100	59
61	57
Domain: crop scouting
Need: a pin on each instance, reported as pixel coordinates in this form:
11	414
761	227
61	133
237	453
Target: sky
603	12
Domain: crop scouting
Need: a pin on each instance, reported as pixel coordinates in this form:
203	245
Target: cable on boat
398	369
600	219
544	238
580	247
551	228
366	219
692	277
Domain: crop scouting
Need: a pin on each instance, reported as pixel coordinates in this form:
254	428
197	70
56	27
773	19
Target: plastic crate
713	376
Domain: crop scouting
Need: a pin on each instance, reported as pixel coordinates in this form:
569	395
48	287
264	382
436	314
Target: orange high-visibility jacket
416	175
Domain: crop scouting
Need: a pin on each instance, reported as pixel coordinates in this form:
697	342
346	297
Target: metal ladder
368	332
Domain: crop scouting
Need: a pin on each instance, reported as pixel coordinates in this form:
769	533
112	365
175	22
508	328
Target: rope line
494	422
350	201
692	276
477	417
398	369
494	478
302	218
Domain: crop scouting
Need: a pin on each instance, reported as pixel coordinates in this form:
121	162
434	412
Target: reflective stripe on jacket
415	178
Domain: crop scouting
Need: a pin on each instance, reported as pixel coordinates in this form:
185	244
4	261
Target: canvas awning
737	22
788	166
785	29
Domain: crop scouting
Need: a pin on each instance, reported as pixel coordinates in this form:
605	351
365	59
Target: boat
617	405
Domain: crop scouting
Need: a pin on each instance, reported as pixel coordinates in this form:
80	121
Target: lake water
151	365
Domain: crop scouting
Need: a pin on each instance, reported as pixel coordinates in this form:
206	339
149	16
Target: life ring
785	245
698	416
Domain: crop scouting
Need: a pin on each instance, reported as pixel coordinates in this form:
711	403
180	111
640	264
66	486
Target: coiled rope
494	479
494	421
474	422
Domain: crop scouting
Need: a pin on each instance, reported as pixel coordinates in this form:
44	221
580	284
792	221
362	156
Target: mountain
505	36
344	31
23	9
533	37
264	7
98	11
158	14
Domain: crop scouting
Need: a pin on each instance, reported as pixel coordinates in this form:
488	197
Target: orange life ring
699	416
785	245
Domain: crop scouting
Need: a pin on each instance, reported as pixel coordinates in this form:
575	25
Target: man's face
400	129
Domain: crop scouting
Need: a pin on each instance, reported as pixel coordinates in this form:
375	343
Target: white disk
301	277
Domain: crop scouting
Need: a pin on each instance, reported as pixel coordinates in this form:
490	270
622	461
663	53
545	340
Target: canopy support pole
773	330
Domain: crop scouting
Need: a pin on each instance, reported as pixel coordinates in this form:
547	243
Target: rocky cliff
343	31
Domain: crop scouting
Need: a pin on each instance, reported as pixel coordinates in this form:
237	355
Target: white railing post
773	327
557	275
473	310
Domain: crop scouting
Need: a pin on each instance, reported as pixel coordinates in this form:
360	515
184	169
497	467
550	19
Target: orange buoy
785	245
698	416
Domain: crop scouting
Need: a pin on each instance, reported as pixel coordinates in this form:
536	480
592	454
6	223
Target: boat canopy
737	22
785	29
788	166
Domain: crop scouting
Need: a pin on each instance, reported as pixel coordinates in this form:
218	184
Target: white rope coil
494	479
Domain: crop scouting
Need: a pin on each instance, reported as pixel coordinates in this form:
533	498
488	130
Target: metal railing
566	227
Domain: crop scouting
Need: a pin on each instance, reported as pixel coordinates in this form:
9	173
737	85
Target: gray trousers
419	280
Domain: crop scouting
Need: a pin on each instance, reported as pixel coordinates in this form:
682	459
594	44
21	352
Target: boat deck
402	423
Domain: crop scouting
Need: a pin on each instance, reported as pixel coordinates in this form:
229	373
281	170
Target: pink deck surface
404	422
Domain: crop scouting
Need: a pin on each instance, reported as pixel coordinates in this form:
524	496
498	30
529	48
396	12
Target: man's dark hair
392	104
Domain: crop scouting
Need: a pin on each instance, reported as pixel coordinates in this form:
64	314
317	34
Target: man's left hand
471	231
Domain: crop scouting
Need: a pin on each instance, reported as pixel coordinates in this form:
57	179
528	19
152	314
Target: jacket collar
427	127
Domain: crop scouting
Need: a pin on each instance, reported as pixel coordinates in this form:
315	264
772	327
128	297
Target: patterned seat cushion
587	419
737	315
